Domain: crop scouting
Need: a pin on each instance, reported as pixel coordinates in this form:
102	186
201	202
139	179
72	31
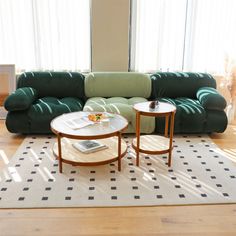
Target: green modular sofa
41	96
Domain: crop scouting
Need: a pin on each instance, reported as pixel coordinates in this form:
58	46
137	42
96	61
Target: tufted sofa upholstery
117	92
200	108
40	97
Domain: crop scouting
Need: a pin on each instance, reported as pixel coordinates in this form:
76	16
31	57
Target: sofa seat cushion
124	107
190	115
45	109
51	106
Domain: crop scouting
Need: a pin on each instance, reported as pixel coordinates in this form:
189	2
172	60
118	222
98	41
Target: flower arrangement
230	70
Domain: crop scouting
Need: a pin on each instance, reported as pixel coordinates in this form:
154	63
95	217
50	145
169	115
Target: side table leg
166	125
119	151
137	137
59	152
172	121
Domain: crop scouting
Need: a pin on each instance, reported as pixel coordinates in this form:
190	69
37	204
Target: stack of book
89	146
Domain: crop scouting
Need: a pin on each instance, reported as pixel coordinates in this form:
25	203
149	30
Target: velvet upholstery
196	99
54	84
211	99
21	99
117	84
42	96
185	84
123	106
117	92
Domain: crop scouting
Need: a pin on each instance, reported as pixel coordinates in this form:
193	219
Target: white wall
110	35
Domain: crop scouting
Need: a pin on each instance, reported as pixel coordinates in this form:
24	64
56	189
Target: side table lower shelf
72	156
153	144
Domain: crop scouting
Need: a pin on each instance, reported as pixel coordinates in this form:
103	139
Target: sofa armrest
211	99
21	99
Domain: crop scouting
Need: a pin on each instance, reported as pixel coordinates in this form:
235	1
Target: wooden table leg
119	151
166	125
137	137
172	122
59	152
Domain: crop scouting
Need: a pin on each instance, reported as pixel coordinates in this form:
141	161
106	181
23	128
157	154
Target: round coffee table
154	144
106	133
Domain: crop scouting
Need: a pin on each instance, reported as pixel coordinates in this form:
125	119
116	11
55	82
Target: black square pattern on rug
200	174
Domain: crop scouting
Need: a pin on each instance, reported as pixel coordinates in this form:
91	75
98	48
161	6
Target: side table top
116	124
162	108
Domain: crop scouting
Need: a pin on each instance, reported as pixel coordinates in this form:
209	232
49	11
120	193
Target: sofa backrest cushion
184	84
117	84
54	84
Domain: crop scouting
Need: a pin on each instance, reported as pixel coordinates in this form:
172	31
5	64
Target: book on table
78	123
81	122
89	146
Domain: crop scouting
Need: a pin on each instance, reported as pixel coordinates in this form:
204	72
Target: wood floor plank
207	220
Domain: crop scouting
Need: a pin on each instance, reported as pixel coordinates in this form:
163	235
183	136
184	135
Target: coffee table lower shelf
72	156
153	144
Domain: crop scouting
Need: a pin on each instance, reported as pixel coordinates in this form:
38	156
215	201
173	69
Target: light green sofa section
117	93
122	106
118	84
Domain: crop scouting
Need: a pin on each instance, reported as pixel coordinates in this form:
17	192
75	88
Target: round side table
154	144
110	135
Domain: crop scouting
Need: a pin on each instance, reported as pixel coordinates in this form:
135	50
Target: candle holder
153	105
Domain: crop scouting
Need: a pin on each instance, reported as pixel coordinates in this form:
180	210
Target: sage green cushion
117	84
21	99
211	99
124	107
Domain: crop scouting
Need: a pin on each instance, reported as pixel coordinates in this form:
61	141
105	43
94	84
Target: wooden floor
163	220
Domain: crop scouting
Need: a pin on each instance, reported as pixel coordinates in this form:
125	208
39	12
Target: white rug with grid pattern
200	174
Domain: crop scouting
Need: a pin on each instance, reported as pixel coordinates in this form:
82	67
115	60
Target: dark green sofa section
200	108
40	97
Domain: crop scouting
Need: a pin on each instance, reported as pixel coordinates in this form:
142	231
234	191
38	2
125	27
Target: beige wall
110	35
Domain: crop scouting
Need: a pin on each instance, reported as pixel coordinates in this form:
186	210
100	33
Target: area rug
200	174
